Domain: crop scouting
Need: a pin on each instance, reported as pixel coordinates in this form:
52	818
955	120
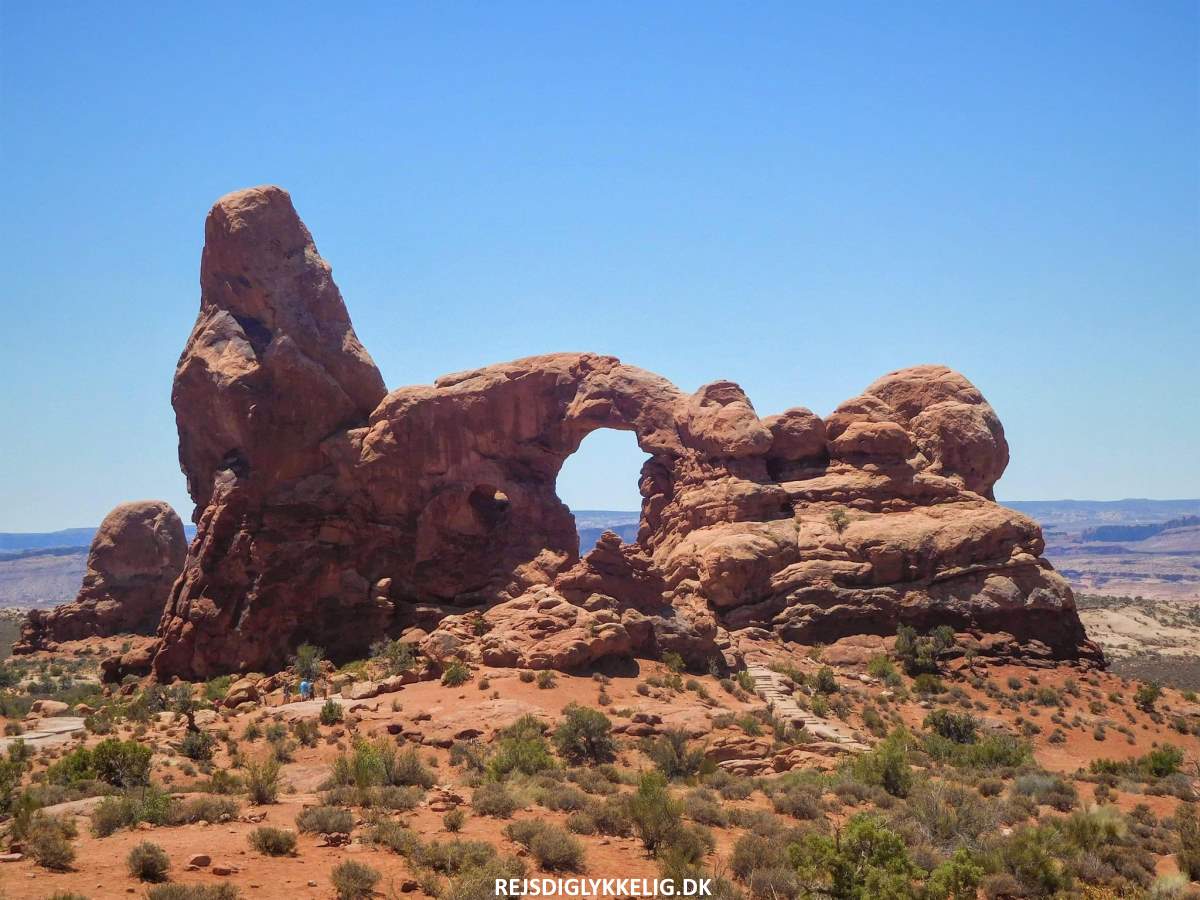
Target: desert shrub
453	857
564	798
479	883
546	679
75	766
1034	856
453	820
273	841
886	765
928	683
612	816
262	780
307	661
584	735
988	751
456	673
1187	828
555	849
702	806
48	841
193	892
919	653
881	667
149	804
122	763
754	852
1147	695
672	756
148	862
521	748
492	798
396	837
956	878
655	814
800	801
948	815
204	808
306	732
353	880
1158	763
331	712
594	781
198	745
397	656
581	822
825	682
1050	790
958	727
325	820
866	860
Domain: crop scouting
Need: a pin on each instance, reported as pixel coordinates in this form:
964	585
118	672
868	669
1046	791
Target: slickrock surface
135	557
331	511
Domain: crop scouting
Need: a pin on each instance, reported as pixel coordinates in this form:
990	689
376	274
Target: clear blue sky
799	197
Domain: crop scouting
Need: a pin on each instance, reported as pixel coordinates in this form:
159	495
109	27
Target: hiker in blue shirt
304	690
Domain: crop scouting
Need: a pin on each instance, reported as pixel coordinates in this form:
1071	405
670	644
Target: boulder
135	557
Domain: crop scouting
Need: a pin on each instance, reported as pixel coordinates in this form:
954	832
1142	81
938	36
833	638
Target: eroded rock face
331	512
135	557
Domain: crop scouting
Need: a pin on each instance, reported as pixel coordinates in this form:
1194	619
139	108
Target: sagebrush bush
148	862
48	841
492	798
325	820
192	892
262	780
273	841
353	880
584	735
331	713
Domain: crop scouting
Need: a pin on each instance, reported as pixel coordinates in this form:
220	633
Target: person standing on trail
287	691
304	690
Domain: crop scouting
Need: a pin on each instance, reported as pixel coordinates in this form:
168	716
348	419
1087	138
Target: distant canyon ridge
329	509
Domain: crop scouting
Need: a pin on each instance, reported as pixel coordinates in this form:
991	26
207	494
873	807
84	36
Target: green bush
453	857
397	656
331	712
453	820
77	765
956	878
584	735
262	780
306	732
391	834
353	880
193	892
325	820
1187	828
307	661
273	841
202	809
655	814
198	745
149	804
1147	695
456	673
554	849
673	757
958	727
521	748
48	841
546	679
1034	856
866	860
886	765
148	862
492	798
825	682
122	763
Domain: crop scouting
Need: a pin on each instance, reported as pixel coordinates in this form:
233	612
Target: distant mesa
331	510
134	558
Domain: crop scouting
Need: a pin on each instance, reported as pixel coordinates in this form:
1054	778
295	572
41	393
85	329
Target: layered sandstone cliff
135	557
331	511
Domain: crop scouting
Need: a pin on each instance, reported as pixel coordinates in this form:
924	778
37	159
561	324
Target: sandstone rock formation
135	557
328	511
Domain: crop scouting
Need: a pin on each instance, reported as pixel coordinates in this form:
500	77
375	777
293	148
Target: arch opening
599	484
